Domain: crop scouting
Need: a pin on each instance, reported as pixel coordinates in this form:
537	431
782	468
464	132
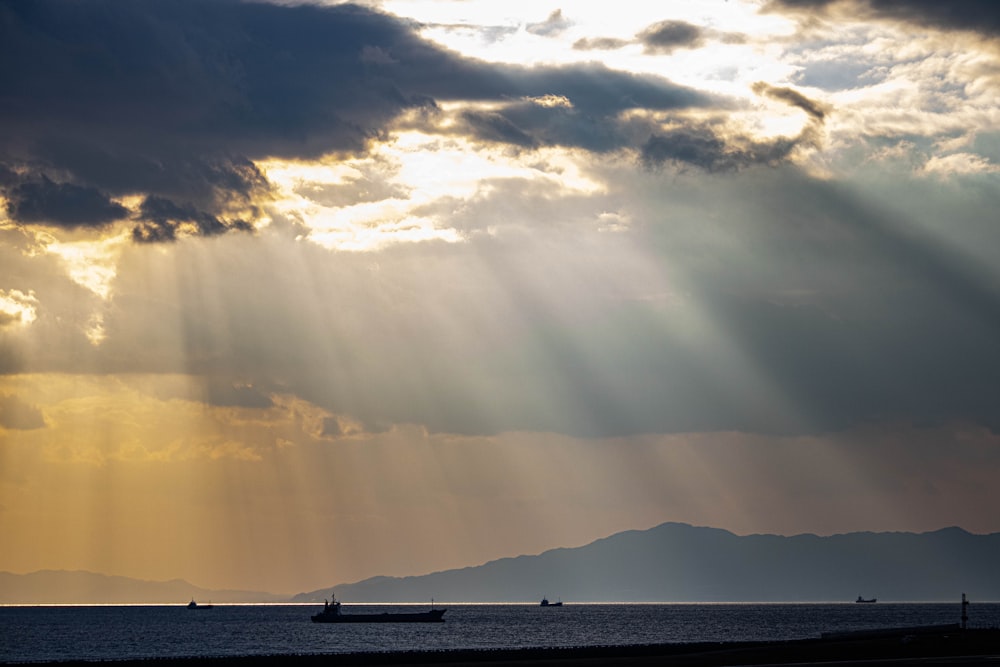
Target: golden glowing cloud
93	265
419	170
17	307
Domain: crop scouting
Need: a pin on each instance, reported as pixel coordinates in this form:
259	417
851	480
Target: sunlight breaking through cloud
16	307
91	264
385	288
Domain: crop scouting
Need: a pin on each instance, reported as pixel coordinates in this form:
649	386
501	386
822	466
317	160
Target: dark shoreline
968	647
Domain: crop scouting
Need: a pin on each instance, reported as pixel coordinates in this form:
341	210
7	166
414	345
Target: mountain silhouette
78	587
677	562
673	562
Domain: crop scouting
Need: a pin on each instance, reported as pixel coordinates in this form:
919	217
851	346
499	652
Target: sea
98	633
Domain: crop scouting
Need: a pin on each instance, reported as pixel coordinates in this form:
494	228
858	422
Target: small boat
332	614
546	603
194	605
862	600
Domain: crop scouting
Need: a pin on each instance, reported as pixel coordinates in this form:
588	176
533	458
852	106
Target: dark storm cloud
176	99
591	87
495	127
16	414
217	77
714	149
8	176
62	204
666	36
195	174
163	217
981	16
529	124
704	147
591	119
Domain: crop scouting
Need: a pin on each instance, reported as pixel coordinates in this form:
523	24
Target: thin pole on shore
965	611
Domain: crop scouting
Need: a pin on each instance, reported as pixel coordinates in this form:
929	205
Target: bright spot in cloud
17	306
534	33
92	264
366	230
420	170
94	330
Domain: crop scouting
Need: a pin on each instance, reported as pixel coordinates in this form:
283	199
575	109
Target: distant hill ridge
673	562
677	562
81	587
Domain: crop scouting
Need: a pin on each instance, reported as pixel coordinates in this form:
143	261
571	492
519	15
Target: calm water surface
34	634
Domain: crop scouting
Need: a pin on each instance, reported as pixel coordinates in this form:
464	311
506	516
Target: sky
295	294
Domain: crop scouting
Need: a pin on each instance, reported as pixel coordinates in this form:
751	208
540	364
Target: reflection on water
114	633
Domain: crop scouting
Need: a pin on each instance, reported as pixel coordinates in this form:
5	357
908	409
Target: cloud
16	307
343	427
591	87
667	36
177	101
8	177
599	109
714	147
531	123
170	99
760	300
960	163
62	204
662	38
163	218
16	414
980	16
555	24
600	43
224	392
721	304
793	97
235	394
974	15
496	127
708	148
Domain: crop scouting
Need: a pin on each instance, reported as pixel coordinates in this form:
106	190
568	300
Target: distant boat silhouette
862	600
331	614
194	605
546	603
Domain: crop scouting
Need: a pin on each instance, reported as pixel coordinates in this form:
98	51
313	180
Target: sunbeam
297	294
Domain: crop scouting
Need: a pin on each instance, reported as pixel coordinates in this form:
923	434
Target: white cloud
959	163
